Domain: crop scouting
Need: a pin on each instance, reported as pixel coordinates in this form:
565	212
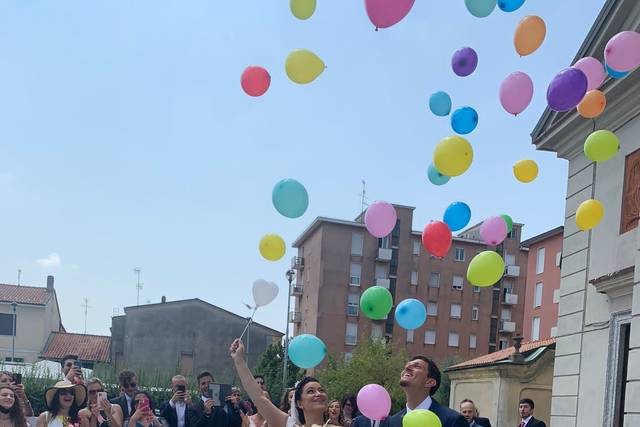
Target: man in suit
469	411
526	414
128	386
420	379
176	411
206	414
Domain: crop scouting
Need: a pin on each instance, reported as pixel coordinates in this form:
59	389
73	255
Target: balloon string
594	125
248	323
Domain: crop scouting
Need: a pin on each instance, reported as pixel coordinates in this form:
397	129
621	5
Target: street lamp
14	306
291	274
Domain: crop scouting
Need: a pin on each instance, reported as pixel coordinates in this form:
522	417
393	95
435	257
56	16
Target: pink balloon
493	230
594	71
516	91
385	13
622	52
374	402
380	219
255	80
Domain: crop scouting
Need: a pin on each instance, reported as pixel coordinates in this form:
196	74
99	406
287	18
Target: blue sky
126	140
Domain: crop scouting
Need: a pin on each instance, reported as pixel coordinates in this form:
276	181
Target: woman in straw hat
10	409
64	401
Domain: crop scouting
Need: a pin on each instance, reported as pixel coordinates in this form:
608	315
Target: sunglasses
95	391
130	385
66	392
260	382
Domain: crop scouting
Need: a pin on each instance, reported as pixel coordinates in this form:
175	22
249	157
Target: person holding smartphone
99	411
176	410
143	415
14	382
72	369
209	413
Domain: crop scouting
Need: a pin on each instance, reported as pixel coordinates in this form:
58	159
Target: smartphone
77	364
17	379
143	405
219	392
102	396
181	387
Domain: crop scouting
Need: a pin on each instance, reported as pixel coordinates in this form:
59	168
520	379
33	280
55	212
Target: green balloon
509	222
376	302
485	269
601	145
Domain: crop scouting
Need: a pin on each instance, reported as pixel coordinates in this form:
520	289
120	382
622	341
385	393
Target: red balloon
255	80
436	238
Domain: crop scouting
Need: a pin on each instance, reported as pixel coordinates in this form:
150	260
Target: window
414	277
454	339
19	360
352	304
558	259
475	312
535	328
504	343
432	308
512	234
351	337
507	286
459	254
537	302
356	270
430	336
472	341
540	261
6	324
376	331
410	335
476	289
630	205
456	311
434	280
416	247
381	271
458	282
506	314
383	242
509	259
357	239
186	363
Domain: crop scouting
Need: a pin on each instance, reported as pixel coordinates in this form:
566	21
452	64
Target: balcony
385	283
384	255
512	271
296	290
295	317
510	299
507	326
297	263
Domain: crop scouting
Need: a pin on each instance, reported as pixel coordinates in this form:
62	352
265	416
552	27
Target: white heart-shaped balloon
264	292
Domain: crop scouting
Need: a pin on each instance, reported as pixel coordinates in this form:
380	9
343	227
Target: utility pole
137	271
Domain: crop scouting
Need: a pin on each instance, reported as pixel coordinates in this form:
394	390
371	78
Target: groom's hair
432	370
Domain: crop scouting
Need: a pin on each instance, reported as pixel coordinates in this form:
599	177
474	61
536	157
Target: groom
420	379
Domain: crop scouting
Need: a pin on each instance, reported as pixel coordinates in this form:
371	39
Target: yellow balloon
302	9
421	418
272	247
303	66
453	156
589	214
525	170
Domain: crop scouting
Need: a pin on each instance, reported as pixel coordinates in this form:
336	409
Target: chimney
49	283
163	300
517	357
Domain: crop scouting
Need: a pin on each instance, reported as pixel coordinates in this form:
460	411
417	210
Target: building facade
337	260
597	361
542	292
36	315
186	337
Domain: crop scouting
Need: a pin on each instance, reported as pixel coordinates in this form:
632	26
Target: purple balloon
567	89
516	91
464	61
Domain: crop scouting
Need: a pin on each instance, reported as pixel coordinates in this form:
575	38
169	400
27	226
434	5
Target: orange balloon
529	35
592	105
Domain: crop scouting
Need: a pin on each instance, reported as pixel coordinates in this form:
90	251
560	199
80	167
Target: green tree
373	362
270	367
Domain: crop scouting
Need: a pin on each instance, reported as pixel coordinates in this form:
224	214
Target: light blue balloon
480	8
306	351
290	198
436	177
457	215
411	314
510	5
615	74
440	104
464	120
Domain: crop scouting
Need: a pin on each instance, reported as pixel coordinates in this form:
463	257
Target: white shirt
526	420
426	404
129	406
180	411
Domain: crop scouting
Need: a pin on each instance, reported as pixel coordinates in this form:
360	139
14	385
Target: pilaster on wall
632	400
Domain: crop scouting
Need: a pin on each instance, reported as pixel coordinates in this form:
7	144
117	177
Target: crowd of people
76	402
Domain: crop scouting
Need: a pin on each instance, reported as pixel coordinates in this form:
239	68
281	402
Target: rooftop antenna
363	197
86	307
137	271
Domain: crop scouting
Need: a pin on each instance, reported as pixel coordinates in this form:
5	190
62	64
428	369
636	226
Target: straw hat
79	390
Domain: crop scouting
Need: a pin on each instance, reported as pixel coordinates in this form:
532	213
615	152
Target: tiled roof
491	358
24	294
92	348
